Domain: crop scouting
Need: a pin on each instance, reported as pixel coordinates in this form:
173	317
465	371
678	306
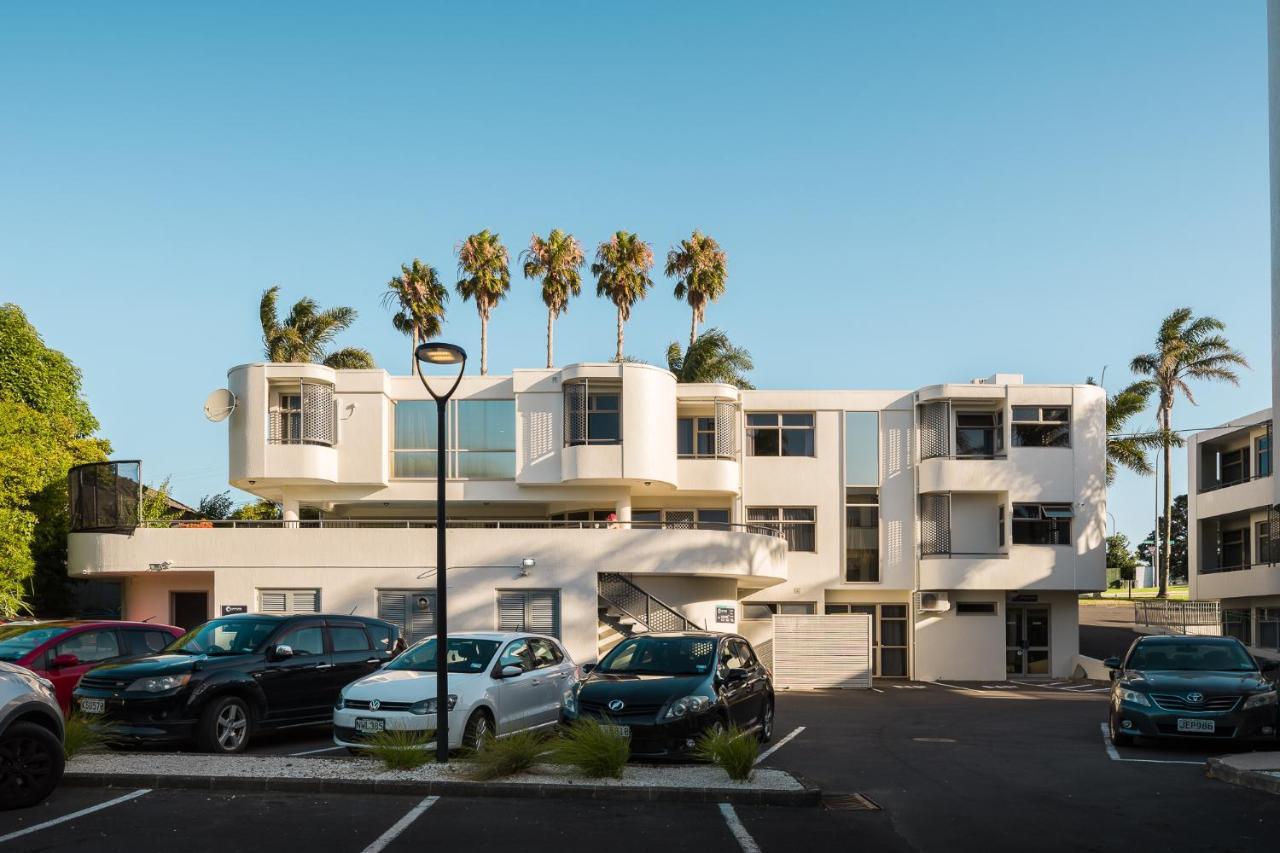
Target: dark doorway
189	609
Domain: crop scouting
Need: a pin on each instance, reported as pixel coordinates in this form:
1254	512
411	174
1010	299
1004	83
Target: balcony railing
1177	615
1226	484
460	524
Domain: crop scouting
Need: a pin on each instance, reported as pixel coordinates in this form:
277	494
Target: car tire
225	726
478	731
1119	738
31	764
766	724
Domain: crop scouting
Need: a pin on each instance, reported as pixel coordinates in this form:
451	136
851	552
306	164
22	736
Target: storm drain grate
848	803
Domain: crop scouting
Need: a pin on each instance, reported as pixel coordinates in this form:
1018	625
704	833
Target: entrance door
190	609
1026	631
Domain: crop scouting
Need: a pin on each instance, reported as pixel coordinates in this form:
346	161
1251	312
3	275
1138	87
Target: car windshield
466	654
17	640
224	637
1191	655
661	656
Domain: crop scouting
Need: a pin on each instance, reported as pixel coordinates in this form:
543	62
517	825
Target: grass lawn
1110	596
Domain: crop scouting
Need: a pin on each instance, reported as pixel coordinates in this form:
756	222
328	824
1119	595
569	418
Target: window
146	642
1000	526
1041	426
780	434
1236	623
862	448
796	524
348	638
861	536
307	640
758	610
1042	524
90	646
975	608
480	436
291	418
1233	466
535	611
303	413
289	601
518	654
1262	445
1269	628
696	437
592	413
1233	548
887	621
1264	541
384	638
545	653
979	434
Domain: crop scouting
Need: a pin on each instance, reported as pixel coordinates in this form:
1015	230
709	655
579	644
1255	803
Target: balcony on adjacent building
1233	471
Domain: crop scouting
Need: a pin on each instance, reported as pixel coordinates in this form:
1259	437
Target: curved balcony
1023	567
717	475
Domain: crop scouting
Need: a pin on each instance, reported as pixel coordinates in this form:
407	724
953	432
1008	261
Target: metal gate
822	651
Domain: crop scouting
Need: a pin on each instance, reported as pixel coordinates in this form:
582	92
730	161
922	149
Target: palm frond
349	358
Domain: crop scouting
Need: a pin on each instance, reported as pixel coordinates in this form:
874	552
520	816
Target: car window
728	656
545	653
146	642
643	655
383	638
17	640
1191	655
348	638
517	654
742	654
90	646
308	640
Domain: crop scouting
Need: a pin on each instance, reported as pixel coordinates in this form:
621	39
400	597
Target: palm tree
1128	449
701	267
555	259
1187	347
485	276
622	274
419	296
307	332
711	358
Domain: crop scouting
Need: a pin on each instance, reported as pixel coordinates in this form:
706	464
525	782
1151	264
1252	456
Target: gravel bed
365	769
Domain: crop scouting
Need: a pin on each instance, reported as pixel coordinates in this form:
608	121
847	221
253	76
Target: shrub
83	734
733	749
509	755
399	749
593	749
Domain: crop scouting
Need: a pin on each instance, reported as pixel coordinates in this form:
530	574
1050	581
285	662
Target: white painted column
622	508
289	507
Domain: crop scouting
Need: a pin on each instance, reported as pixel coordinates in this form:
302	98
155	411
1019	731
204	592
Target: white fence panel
822	651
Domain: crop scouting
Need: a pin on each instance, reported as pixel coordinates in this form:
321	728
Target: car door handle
373	660
534	681
324	666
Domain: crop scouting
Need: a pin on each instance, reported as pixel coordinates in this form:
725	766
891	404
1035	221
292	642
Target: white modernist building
595	499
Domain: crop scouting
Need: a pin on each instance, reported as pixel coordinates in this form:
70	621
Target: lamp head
440	353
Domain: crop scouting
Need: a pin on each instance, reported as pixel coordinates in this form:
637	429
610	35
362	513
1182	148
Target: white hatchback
499	683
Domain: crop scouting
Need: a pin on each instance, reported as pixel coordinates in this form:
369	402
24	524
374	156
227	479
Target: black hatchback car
666	689
221	682
1189	686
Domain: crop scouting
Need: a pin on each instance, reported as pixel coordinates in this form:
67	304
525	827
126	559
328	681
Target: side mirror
1111	663
282	652
63	661
587	667
510	671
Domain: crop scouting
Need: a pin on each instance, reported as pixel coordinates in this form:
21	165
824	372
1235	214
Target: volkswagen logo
1195	698
374	704
616	705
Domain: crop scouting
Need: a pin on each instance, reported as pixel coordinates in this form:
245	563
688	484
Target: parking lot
950	767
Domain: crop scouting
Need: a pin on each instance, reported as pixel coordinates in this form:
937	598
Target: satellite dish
219	405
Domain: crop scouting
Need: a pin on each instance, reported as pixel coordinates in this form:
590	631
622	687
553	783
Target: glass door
1026	631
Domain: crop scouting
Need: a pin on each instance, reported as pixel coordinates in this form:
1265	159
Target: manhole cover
934	739
848	803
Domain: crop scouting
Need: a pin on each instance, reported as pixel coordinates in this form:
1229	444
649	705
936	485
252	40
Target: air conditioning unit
932	602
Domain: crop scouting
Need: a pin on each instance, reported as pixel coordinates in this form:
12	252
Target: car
64	650
499	683
31	732
665	689
229	678
1190	687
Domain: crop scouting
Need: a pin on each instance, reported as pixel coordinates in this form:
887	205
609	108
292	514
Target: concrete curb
1218	769
809	795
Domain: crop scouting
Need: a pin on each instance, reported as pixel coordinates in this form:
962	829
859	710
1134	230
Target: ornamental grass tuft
509	755
84	734
734	750
596	750
398	749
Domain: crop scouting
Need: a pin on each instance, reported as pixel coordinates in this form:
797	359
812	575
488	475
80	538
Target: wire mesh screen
105	496
725	432
575	413
1273	536
935	420
935	524
318	414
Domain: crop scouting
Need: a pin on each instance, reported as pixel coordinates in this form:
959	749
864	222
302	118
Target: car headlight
340	702
159	683
1258	700
687	706
428	706
1127	695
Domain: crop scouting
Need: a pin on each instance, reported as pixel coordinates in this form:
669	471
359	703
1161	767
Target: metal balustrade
634	601
465	523
1177	615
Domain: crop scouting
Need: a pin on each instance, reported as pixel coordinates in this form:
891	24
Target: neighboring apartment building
964	518
1232	530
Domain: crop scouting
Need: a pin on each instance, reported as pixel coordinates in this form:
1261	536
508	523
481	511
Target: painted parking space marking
314	751
877	689
909	687
1114	754
1013	693
132	795
401	825
745	841
777	746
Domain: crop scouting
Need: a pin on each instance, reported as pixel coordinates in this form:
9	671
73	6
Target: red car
64	650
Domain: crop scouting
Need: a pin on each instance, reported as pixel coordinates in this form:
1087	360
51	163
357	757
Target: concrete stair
614	627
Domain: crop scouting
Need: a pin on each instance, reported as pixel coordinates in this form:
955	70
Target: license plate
370	725
618	731
93	706
1195	726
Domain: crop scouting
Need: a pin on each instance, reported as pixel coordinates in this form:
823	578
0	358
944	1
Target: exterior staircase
627	609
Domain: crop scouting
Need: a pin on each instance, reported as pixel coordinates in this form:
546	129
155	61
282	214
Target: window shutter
289	600
304	601
575	413
511	611
272	601
544	613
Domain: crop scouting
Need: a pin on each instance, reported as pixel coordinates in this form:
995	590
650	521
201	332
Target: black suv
221	682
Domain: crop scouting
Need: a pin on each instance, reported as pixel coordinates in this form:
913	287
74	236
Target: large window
592	413
1041	426
1264	541
754	611
780	434
1042	524
481	437
979	435
796	524
1233	548
1262	445
1236	623
1233	466
696	437
862	448
861	536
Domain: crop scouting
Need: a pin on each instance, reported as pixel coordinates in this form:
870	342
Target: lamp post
436	353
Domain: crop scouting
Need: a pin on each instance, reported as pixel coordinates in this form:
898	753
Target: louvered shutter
304	601
401	607
272	601
511	611
289	600
543	613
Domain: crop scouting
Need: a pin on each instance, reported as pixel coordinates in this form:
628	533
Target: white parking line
133	795
745	841
400	826
877	689
771	750
1114	754
314	751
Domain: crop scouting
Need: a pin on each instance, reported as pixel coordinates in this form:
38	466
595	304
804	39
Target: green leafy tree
712	358
1187	348
622	275
306	333
157	504
1175	564
1120	557
701	269
1126	448
215	507
418	295
484	276
261	510
555	260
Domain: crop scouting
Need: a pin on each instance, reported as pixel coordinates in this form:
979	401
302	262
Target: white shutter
304	601
401	607
272	601
543	613
822	651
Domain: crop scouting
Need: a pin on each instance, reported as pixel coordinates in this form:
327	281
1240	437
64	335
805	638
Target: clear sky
908	192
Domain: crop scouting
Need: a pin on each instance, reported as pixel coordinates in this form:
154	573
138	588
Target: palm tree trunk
1166	548
484	345
618	357
550	332
693	328
413	358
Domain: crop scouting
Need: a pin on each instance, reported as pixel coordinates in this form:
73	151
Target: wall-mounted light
161	566
525	565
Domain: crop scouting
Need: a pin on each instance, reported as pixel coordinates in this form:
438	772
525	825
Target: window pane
348	639
486	425
415	425
797	442
713	516
1041	435
305	641
797	420
762	419
602	402
684	436
797	608
646	515
762	513
861	448
763	442
893	611
757	611
893	662
1054	414
971	441
893	632
975	419
797	513
1026	413
487	465
415	464
603	427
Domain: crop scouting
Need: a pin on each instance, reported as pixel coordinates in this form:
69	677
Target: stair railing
637	603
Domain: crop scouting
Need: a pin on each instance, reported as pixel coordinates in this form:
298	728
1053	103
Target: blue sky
908	192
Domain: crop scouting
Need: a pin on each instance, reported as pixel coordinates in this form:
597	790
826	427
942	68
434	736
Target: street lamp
436	353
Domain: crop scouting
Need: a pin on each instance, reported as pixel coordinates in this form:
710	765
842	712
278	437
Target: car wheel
766	724
225	725
479	731
1119	738
31	763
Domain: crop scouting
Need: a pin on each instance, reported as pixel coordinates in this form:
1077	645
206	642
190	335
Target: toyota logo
374	704
1195	698
616	705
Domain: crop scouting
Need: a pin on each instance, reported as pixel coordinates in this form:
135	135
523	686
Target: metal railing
966	555
1177	615
634	601
1244	568
1226	484
464	523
